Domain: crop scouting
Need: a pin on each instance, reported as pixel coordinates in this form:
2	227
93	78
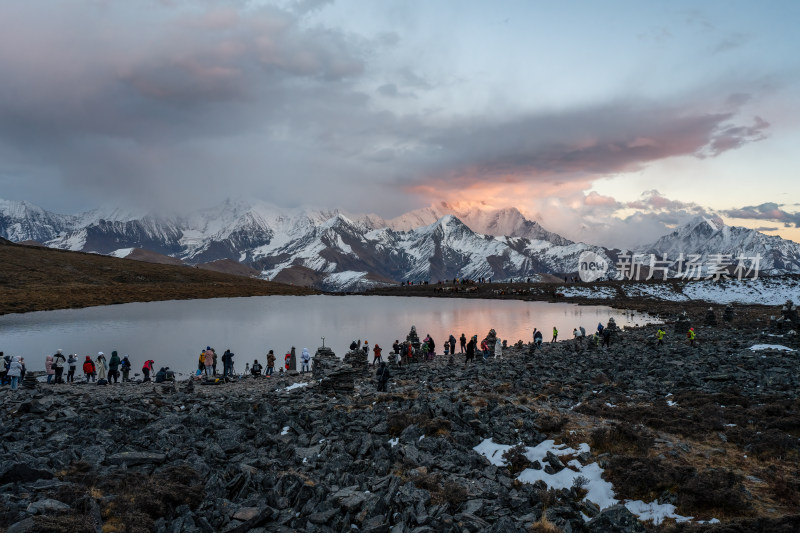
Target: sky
607	122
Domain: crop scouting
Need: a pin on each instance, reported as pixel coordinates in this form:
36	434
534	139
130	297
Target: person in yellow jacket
691	336
201	362
555	334
660	336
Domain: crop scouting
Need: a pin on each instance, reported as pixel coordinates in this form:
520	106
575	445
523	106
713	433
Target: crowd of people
207	364
110	371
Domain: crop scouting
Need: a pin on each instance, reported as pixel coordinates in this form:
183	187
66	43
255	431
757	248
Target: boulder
615	519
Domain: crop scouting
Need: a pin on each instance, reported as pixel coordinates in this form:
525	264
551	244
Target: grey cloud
569	145
766	211
195	100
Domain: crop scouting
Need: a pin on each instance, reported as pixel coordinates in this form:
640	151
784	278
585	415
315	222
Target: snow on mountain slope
498	222
707	236
21	221
348	252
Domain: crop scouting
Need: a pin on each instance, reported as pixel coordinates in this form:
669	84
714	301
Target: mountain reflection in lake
173	333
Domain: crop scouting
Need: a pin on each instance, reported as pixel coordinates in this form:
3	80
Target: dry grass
543	525
41	279
432	427
129	502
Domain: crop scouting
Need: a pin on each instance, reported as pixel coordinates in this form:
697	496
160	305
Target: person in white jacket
498	348
305	358
14	372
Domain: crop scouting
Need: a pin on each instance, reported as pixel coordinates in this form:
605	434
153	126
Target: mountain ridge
349	252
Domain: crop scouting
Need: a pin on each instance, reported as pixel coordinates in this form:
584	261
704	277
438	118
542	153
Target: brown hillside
39	279
229	266
153	257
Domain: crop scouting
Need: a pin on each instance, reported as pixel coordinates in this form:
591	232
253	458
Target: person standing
691	336
72	363
227	363
660	336
59	362
583	334
125	365
377	354
555	334
213	361
469	350
383	376
14	372
256	369
607	337
366	348
113	367
463	341
305	359
201	362
270	363
484	349
89	369
498	348
102	368
49	369
208	361
452	345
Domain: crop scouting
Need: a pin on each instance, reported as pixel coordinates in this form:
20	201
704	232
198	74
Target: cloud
577	145
182	103
766	211
730	137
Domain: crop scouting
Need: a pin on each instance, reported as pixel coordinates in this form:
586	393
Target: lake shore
709	432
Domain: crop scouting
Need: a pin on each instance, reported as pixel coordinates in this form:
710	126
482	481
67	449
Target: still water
173	333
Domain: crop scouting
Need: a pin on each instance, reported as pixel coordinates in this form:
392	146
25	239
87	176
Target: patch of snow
604	293
599	491
758	347
671	403
656	512
122	252
285	430
394	442
296	386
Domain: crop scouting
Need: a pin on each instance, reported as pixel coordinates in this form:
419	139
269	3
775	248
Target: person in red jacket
377	351
147	368
88	369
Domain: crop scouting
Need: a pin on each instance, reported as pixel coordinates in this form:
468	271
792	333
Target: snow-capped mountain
339	251
710	240
507	222
22	221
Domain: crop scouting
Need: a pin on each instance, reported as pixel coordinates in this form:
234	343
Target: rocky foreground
709	432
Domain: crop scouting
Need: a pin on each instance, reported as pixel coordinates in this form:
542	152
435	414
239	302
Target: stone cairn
413	338
788	318
612	328
491	339
728	315
332	373
711	317
358	359
29	381
683	324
